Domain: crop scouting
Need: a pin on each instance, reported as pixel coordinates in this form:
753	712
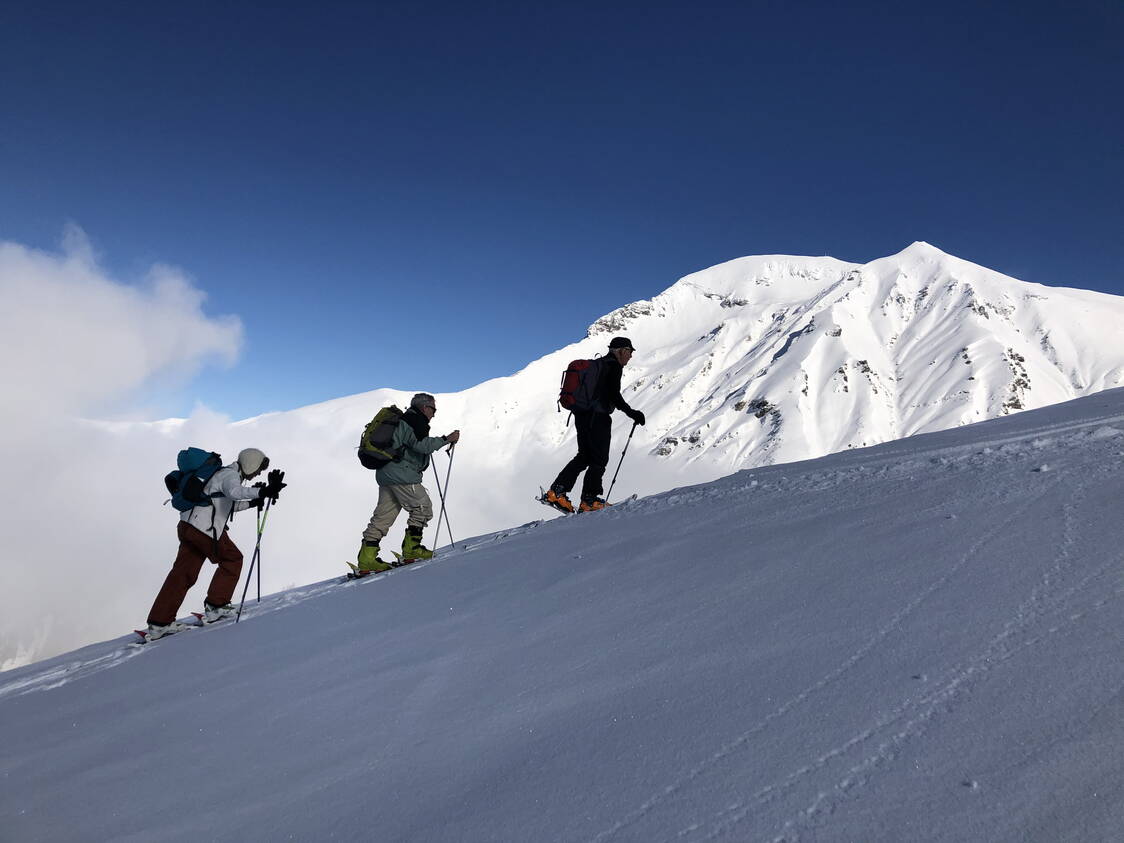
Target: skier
203	535
594	428
400	485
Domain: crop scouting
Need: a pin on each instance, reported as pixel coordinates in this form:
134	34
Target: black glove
273	488
259	500
637	417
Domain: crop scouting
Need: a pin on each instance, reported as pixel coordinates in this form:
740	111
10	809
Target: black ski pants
594	433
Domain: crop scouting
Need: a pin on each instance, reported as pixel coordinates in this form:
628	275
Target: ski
192	621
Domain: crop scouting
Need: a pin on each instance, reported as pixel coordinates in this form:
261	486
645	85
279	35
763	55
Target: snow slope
919	640
760	360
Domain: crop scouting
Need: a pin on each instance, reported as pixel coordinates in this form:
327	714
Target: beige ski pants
411	497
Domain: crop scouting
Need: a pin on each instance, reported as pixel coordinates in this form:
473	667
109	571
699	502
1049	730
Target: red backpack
579	385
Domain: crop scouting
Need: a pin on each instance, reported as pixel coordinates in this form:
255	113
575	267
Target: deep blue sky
426	195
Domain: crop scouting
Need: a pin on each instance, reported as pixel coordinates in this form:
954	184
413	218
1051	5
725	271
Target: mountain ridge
884	315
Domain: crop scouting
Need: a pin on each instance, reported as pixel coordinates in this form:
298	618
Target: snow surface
916	641
761	360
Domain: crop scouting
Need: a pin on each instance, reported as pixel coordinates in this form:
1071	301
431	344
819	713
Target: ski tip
143	636
198	615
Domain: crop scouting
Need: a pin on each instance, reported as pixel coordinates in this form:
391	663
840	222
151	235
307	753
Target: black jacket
608	392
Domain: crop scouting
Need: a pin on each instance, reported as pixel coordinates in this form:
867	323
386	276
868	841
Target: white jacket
226	482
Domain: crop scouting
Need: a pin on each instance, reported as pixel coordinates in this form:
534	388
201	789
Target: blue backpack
186	483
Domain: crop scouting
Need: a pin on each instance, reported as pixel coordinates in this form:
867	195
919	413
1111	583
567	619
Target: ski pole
441	492
441	495
444	509
254	560
618	471
257	544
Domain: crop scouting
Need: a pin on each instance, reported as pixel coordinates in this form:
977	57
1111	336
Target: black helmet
621	342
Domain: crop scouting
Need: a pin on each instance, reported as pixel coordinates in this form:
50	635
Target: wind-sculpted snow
916	641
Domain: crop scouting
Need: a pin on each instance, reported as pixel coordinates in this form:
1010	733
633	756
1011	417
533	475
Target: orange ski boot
558	500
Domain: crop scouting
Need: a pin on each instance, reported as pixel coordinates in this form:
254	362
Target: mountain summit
777	358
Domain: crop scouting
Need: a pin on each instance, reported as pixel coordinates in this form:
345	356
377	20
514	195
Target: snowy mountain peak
823	355
920	248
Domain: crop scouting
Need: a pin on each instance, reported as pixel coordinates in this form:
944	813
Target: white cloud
77	535
75	337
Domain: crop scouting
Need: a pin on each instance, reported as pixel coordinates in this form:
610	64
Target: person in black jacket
595	428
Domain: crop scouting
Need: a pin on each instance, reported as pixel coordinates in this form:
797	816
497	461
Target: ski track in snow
889	466
125	648
1040	602
823	684
923	711
1043	600
59	675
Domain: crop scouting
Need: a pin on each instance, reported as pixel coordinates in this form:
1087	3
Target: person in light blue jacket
400	485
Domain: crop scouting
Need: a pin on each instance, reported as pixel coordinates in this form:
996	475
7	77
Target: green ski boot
412	547
369	558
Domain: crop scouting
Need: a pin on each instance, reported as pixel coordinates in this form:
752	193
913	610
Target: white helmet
251	461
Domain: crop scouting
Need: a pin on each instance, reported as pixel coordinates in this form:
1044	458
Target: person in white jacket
203	535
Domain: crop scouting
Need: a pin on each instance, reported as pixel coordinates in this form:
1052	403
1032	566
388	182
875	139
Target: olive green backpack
374	445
